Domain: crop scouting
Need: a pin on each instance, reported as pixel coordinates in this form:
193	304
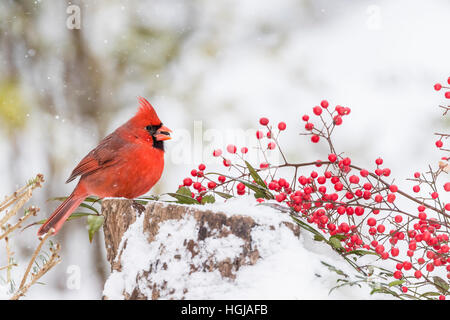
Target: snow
288	268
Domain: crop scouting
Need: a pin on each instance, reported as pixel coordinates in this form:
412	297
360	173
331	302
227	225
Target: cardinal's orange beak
163	133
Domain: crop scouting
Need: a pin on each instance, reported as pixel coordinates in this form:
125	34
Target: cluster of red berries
197	185
355	205
439	86
339	112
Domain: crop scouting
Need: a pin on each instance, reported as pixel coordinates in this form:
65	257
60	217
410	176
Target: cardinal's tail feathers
60	215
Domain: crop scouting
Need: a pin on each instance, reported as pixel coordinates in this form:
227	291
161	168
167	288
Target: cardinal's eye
152	129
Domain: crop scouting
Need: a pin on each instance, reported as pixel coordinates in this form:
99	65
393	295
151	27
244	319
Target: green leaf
334	269
360	252
441	284
208	199
335	243
339	236
396	283
430	294
256	176
183	195
223	194
89	207
183	199
77	215
307	227
257	189
94	223
185	191
318	238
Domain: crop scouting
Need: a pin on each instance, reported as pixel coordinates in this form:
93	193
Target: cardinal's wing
104	155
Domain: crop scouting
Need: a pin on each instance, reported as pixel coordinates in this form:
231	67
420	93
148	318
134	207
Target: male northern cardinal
127	163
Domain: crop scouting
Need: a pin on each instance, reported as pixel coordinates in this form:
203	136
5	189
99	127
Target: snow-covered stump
172	251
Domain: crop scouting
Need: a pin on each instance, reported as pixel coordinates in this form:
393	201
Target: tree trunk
171	234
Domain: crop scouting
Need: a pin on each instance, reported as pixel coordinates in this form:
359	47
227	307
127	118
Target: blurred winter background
217	66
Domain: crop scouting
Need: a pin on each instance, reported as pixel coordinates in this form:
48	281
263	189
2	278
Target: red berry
324	104
231	148
379	161
317	110
221	179
259	134
395	252
211	185
338	186
264	165
305	118
332	157
194	173
226	162
407	265
416	188
393	188
391	198
364	173
282	126
359	211
418	274
337	120
398	218
344	227
264	121
187	182
244	150
217	153
379	249
197	185
354	179
271	145
315	138
422	216
201	167
447	95
346	161
309	126
447	186
371	222
439	143
437	86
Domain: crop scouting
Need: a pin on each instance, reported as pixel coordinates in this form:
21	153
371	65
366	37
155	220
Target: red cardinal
127	163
